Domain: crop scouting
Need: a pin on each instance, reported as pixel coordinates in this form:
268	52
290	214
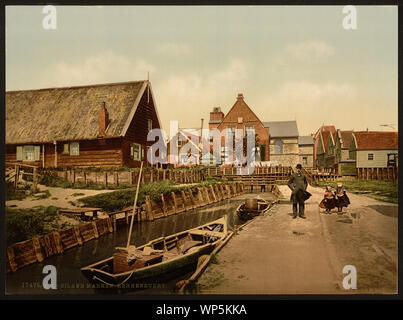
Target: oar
134	207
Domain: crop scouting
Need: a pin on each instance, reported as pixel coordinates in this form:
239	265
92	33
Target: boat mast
134	206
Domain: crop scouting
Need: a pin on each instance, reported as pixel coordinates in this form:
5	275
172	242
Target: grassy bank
116	200
24	224
51	180
383	190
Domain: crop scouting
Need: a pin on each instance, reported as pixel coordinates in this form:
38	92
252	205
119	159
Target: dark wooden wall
138	130
93	153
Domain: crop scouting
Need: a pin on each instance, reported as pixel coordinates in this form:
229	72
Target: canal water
28	280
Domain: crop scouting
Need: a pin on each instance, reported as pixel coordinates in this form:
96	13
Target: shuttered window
28	153
136	151
370	156
74	149
66	148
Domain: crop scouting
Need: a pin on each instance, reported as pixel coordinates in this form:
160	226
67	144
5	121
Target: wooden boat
159	257
258	207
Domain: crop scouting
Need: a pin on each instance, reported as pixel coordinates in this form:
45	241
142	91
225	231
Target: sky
290	63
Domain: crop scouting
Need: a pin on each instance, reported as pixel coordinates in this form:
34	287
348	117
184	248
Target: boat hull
158	273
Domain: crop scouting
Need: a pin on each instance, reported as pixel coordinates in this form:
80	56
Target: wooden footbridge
265	177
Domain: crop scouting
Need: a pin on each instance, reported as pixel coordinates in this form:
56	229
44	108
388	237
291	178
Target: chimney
240	96
215	118
103	120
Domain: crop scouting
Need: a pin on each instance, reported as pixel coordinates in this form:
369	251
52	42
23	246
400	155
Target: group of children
335	198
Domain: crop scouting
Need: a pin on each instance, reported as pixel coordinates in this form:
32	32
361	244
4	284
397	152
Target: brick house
241	116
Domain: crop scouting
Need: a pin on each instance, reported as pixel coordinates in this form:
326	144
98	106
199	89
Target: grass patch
52	180
20	193
214	259
77	194
383	190
42	195
24	224
117	200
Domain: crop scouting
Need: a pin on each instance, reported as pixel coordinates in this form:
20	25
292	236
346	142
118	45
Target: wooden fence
275	174
15	171
130	177
39	248
389	173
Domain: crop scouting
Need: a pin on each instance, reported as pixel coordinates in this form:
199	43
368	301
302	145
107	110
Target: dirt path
59	197
279	255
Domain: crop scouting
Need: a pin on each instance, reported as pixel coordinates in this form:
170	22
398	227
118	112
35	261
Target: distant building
305	146
190	139
374	149
344	165
94	125
321	140
277	140
241	116
284	146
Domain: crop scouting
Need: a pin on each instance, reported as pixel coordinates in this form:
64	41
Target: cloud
312	103
102	68
306	52
188	97
175	49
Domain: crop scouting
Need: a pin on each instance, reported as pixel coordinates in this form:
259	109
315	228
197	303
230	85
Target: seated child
329	201
342	198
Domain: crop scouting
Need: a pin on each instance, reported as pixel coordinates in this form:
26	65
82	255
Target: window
240	119
278	146
149	125
66	149
304	161
74	149
136	152
28	153
370	156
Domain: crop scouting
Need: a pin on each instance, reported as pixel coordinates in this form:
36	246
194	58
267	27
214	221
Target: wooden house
95	125
374	149
344	165
321	140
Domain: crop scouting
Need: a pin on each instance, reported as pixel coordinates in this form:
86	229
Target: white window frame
139	152
149	125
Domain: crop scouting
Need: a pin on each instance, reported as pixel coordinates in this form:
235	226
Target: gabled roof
240	104
305	140
376	140
279	129
70	113
345	138
325	131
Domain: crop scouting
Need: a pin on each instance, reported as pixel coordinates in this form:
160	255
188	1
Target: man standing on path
298	185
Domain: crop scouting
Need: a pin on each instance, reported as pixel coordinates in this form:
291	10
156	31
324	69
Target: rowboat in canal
159	257
252	208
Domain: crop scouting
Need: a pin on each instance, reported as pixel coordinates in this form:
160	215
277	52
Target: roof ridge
79	86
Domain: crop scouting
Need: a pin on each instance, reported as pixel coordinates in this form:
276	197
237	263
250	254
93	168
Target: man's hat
299	166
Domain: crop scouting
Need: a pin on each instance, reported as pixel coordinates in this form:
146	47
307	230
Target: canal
28	280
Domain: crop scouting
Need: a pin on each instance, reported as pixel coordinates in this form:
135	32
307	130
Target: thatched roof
45	115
